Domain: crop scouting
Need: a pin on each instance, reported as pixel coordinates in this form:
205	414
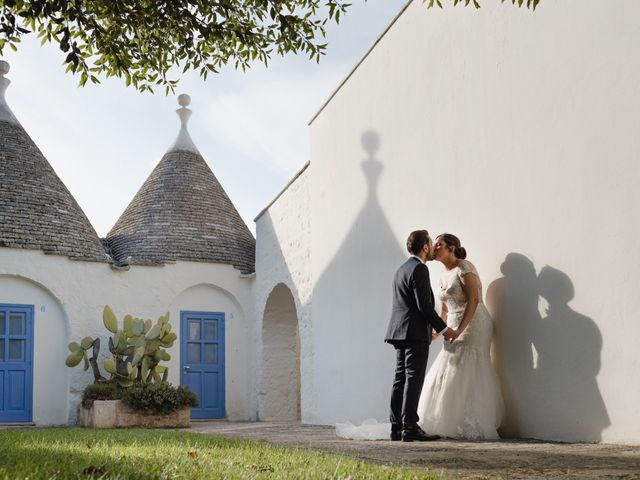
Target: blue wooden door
202	361
16	354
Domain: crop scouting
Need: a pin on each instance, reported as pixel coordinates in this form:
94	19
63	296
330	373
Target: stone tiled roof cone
182	213
36	209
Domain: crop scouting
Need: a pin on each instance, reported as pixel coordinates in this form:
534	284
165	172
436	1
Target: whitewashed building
517	131
514	130
179	247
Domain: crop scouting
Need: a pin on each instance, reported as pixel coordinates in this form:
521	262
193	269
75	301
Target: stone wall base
115	414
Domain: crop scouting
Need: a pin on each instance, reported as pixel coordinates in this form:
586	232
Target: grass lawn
61	453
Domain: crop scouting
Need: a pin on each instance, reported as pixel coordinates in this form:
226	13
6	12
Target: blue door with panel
16	355
202	361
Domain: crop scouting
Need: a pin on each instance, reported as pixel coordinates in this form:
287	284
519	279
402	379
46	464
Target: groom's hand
450	335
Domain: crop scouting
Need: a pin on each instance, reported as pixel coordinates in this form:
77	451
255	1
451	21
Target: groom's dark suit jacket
413	316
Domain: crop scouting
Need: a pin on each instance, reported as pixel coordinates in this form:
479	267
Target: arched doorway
280	385
212	343
33	319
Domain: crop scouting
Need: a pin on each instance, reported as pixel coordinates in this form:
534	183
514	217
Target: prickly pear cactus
79	353
137	349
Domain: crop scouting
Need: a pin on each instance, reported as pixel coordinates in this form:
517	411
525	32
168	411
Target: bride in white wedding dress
461	395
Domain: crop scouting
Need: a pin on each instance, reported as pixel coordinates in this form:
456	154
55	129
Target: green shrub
158	398
100	391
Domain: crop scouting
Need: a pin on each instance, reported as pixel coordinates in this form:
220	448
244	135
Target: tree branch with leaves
149	42
532	4
141	41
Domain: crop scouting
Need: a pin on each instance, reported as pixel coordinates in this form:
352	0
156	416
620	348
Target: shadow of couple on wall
547	362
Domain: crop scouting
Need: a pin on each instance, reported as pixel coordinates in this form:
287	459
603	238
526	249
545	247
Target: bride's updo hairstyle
416	241
453	241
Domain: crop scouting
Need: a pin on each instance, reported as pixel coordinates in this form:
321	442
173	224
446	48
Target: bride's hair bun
453	241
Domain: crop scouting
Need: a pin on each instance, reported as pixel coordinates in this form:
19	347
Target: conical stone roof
182	213
36	209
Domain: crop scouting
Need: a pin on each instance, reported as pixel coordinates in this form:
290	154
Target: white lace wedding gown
461	396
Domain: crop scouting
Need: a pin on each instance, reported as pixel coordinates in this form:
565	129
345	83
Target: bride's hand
434	336
454	335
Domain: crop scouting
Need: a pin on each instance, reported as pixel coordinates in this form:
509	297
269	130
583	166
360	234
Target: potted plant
136	393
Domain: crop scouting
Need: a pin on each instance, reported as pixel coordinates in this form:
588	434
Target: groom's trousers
411	365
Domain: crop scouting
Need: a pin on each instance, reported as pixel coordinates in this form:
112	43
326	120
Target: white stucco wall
74	294
283	257
518	132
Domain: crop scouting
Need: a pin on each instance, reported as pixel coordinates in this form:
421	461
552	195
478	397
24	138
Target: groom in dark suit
413	319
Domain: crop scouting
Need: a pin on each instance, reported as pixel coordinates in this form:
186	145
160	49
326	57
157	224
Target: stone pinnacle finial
6	115
183	142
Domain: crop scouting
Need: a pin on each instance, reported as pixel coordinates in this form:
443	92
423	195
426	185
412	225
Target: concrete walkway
507	459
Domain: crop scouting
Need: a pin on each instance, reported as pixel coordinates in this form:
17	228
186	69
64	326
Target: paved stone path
507	459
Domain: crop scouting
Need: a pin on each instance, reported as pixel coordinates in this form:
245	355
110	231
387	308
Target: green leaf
139	353
154	333
86	343
161	356
122	344
151	346
138	327
74	346
167	340
124	382
109	319
128	324
144	369
74	358
110	365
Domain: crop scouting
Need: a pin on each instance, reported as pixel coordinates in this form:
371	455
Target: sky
251	127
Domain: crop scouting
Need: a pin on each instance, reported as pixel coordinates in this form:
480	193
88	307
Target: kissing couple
460	397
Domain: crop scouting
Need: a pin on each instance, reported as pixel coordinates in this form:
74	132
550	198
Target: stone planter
115	414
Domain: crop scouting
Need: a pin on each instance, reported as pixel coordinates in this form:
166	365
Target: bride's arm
443	316
470	287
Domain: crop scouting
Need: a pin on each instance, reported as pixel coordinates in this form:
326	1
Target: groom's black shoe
416	434
396	433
